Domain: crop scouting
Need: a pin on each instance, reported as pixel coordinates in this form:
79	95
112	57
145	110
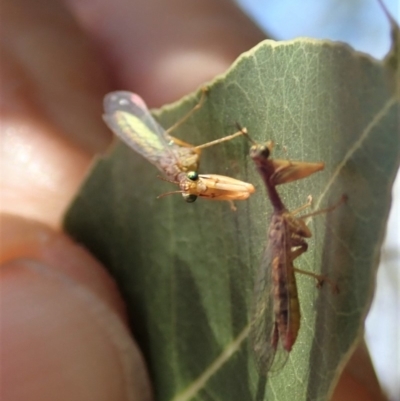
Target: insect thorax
191	187
277	230
188	159
296	225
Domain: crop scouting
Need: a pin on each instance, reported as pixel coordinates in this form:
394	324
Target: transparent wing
266	340
263	331
127	116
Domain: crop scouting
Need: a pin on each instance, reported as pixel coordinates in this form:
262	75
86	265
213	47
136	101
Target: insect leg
187	115
343	199
181	143
232	205
217	141
301	208
321	279
301	246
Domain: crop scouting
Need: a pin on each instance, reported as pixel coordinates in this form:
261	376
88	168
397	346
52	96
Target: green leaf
187	270
392	58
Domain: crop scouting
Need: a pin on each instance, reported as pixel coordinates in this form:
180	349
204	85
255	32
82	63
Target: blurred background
363	25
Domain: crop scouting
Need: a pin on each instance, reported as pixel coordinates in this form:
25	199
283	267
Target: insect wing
263	319
127	116
286	171
220	187
265	337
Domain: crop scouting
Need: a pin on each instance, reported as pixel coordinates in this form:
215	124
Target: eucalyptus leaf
186	271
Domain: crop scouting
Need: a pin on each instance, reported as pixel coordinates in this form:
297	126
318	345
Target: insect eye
189	198
192	175
265	152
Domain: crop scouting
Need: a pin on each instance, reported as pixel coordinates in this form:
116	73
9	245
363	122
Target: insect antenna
169	193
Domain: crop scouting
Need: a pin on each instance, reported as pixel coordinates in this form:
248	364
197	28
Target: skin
57	62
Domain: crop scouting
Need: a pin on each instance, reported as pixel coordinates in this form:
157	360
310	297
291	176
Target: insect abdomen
290	331
286	305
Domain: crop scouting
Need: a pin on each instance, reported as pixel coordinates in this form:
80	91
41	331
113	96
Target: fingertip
63	323
358	380
165	49
61	341
28	239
